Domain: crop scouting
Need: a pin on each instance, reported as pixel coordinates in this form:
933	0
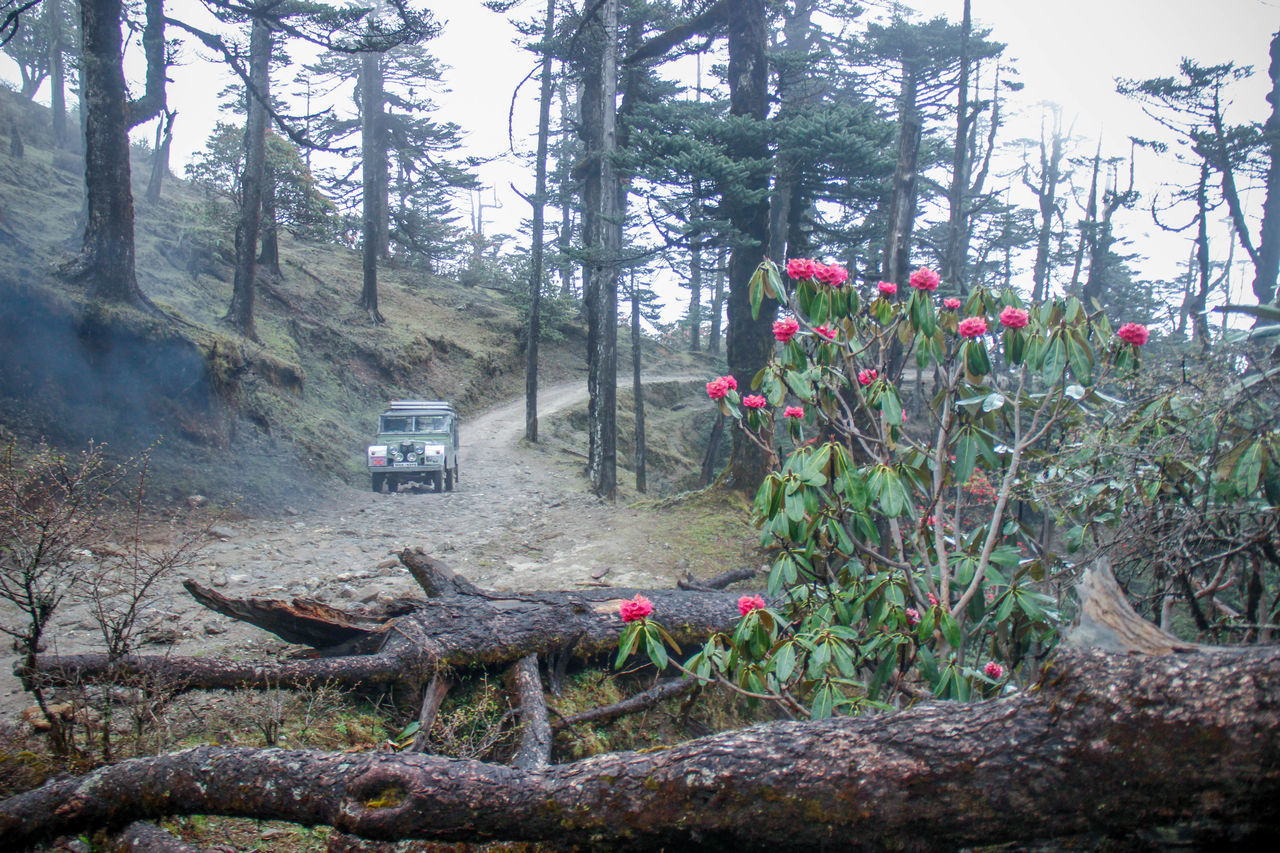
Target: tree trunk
106	261
160	156
902	203
1107	743
637	388
564	239
1046	196
57	73
458	626
533	330
240	314
371	100
750	342
605	242
717	304
269	257
955	251
1264	276
1198	307
1088	225
695	274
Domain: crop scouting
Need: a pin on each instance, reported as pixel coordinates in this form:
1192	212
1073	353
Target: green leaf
627	643
966	448
823	702
784	661
656	650
950	629
993	401
756	291
894	499
891	405
1248	471
1055	358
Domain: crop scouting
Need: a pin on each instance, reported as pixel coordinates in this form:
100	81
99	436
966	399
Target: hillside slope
267	421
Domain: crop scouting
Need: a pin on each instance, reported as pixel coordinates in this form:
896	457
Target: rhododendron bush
907	556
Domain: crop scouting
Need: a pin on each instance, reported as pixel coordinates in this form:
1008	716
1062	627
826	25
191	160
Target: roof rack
401	405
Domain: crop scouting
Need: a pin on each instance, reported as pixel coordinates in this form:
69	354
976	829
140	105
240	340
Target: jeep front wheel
377	481
448	479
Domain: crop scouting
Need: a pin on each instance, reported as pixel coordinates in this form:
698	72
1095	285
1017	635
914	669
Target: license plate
405	465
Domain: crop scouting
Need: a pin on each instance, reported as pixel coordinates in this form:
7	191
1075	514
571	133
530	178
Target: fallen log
1106	742
460	631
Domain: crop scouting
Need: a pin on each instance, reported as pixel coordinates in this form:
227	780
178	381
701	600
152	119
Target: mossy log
1108	741
1105	743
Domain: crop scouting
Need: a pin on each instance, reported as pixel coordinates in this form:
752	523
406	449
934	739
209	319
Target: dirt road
520	518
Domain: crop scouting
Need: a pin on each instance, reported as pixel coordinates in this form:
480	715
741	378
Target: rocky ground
520	518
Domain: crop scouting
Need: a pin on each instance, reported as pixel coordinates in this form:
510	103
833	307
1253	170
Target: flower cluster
750	602
1133	333
785	329
825	332
993	670
635	609
829	274
925	279
718	388
951	303
866	377
972	327
888	288
754	401
793	412
913	616
1014	318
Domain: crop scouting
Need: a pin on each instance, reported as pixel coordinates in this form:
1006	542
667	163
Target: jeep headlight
395	454
412	457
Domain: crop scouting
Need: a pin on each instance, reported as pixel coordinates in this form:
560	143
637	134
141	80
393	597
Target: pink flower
951	303
993	670
825	332
933	600
972	327
785	329
793	412
888	288
1133	333
754	401
1014	318
717	388
931	520
913	616
925	279
637	608
866	377
730	382
750	602
832	275
798	268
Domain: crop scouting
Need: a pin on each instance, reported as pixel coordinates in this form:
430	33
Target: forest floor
521	518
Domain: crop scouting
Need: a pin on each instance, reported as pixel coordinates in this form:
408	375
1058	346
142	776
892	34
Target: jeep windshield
408	424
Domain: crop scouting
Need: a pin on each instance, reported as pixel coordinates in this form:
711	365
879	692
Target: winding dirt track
520	518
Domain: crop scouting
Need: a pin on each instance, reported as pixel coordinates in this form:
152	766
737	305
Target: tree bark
57	73
954	258
240	314
902	203
1268	266
637	389
372	151
1106	743
717	304
106	261
1046	196
458	629
533	329
160	156
604	239
750	342
269	257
